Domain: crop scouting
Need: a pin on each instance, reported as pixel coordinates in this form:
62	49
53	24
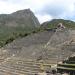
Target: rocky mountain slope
43	45
29	46
15	24
24	56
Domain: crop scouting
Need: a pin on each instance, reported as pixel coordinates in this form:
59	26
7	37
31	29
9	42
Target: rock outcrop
22	18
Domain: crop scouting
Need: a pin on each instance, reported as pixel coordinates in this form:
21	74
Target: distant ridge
53	23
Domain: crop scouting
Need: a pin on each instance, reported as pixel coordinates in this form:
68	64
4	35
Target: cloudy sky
44	9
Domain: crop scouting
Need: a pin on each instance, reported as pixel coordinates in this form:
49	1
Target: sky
45	10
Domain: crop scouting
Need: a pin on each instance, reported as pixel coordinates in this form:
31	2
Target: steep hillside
43	45
26	55
30	46
19	23
53	23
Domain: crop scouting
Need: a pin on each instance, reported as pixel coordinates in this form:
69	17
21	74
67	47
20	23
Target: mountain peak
23	18
23	11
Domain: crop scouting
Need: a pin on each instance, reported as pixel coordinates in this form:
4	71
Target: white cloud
44	9
44	18
6	7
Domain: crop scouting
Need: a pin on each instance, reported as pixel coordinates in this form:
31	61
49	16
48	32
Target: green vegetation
55	22
67	66
8	34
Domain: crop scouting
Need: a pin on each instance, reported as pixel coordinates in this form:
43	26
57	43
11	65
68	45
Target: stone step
16	71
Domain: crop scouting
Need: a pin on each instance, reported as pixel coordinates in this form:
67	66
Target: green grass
70	69
67	65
